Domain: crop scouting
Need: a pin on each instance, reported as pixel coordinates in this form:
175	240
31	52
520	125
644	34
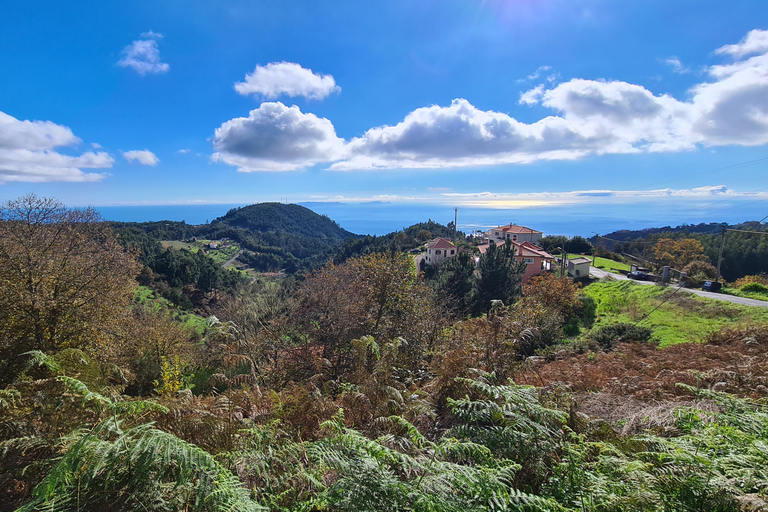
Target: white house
515	233
439	250
579	267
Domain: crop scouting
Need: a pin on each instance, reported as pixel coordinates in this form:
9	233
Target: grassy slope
607	264
747	295
681	318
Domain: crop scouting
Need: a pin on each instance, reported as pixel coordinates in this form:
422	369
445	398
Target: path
233	258
596	272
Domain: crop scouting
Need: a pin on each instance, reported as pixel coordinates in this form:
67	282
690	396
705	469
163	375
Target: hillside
291	218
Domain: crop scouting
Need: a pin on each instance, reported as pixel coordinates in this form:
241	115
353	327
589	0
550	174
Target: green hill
290	218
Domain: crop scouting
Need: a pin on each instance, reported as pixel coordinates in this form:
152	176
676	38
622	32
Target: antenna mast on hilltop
455	220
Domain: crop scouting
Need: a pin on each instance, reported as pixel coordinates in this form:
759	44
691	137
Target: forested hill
624	234
745	247
291	218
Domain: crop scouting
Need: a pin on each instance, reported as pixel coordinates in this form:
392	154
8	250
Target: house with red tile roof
537	259
515	233
439	250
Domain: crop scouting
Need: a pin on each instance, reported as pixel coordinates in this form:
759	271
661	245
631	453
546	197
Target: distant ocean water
382	218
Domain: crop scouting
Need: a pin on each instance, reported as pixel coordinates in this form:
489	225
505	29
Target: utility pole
720	257
455	220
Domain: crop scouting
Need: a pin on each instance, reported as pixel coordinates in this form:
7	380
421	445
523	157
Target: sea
380	218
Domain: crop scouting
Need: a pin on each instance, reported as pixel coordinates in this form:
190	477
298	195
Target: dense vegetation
743	253
363	386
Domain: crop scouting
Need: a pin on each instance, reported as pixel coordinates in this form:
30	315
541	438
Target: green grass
680	318
747	295
606	264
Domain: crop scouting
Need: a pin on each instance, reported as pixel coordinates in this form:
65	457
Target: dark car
712	286
640	276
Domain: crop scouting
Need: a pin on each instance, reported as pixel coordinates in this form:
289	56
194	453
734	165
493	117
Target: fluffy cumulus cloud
143	55
142	156
287	79
587	117
28	152
275	137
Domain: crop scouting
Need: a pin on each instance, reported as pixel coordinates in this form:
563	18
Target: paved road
596	272
233	258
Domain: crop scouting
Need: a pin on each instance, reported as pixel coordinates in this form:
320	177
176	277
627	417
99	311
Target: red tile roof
514	228
525	250
440	243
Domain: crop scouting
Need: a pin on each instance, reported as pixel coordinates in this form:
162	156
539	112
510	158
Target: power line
734	166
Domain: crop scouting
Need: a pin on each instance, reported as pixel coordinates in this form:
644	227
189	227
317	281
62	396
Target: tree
454	283
63	278
377	295
678	253
500	277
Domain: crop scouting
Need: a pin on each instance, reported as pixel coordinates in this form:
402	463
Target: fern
138	468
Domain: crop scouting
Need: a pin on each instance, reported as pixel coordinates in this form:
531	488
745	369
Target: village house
515	233
439	250
537	259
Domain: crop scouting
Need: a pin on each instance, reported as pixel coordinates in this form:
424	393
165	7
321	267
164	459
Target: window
528	260
451	251
437	252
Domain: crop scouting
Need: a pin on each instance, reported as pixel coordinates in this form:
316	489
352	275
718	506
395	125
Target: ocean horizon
380	218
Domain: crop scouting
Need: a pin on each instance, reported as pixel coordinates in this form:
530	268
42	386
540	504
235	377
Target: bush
608	335
755	287
588	311
698	272
761	279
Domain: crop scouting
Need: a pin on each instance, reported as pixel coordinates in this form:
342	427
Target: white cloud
532	96
589	117
676	64
28	153
289	79
756	41
536	199
143	56
184	151
142	156
151	35
539	199
276	138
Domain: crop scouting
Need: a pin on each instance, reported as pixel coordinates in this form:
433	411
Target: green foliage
674	315
755	288
134	468
511	422
608	335
500	278
455	282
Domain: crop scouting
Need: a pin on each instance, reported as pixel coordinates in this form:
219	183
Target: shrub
608	335
754	287
588	311
761	279
699	271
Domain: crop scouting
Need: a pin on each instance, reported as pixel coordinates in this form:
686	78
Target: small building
515	233
212	245
439	250
579	267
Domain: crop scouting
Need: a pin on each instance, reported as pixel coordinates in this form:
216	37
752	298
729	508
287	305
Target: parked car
640	275
712	286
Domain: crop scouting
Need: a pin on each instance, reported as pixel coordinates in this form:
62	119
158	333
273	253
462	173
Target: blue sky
494	104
